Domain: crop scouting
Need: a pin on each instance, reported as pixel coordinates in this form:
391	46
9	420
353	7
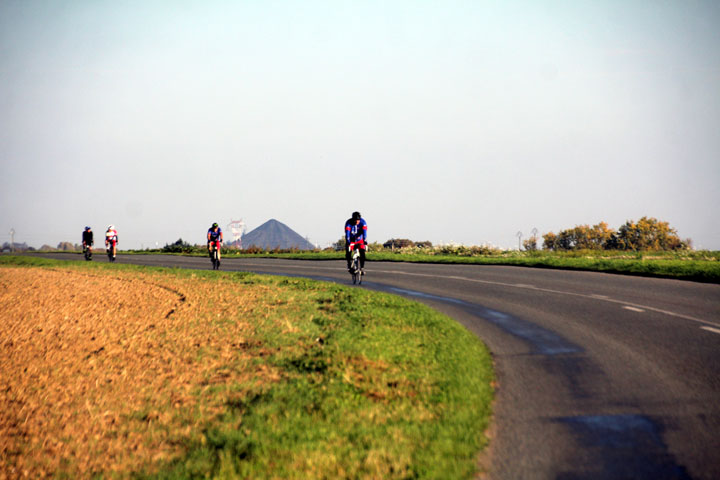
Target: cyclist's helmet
87	228
214	225
356	216
111	227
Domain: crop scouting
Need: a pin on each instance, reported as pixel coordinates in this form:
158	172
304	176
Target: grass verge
233	375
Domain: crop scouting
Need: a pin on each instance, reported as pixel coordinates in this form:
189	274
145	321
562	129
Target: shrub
394	243
649	234
646	234
530	244
178	247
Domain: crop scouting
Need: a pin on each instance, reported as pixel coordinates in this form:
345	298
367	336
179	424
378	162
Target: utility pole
519	235
12	239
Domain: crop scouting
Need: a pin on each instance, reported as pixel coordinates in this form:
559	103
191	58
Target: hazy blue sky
462	121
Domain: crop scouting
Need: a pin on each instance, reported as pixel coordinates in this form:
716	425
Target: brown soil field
104	371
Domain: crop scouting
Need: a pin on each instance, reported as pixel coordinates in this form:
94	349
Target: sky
448	121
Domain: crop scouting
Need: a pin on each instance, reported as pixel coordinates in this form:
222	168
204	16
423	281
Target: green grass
375	386
688	268
371	385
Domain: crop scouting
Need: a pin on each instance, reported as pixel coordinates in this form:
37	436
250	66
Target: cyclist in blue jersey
355	237
214	236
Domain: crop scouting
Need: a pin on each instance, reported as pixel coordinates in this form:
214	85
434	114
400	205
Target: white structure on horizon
237	227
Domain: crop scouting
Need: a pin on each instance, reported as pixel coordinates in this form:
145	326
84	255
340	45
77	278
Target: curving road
599	376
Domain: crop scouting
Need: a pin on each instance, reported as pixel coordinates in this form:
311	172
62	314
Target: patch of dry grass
100	371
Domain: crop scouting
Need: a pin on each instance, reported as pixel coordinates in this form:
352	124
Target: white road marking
633	309
515	285
711	329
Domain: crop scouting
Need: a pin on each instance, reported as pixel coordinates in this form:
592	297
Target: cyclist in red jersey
111	240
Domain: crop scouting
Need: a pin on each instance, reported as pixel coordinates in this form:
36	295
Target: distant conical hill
273	234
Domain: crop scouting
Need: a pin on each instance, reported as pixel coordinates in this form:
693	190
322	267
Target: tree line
24	247
646	234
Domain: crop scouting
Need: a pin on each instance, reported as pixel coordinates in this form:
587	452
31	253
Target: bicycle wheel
355	270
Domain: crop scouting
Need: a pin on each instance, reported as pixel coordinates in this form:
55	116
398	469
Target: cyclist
111	240
355	237
214	235
87	241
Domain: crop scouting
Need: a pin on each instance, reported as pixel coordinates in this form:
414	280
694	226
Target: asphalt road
599	376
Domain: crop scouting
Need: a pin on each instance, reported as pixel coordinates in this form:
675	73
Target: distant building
16	247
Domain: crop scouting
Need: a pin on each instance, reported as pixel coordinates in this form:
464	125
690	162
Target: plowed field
120	371
99	372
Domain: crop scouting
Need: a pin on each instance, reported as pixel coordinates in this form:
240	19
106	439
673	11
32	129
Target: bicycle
215	254
110	249
87	250
356	272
